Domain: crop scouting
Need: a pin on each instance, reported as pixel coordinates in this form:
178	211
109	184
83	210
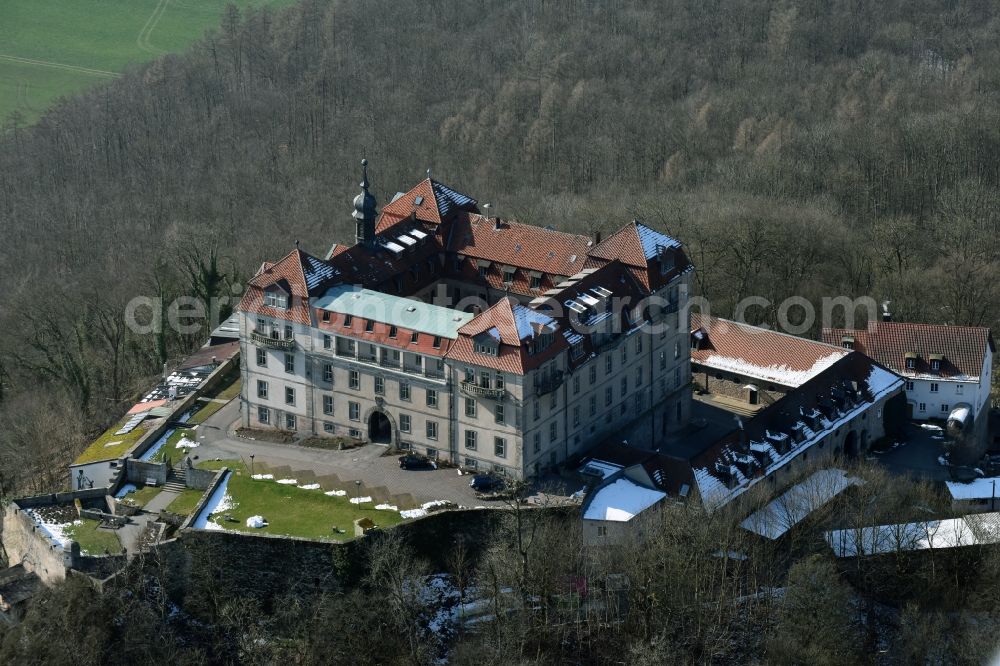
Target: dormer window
666	258
437	342
936	362
508	275
326	316
348	319
392	331
414	337
847	342
911	360
276	299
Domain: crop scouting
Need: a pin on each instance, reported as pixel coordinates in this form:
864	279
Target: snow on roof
316	271
971	530
524	317
779	374
653	240
406	313
785	512
978	489
621	501
448	198
882	381
599	468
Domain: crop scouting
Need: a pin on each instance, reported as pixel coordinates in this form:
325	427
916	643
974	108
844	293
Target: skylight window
418	201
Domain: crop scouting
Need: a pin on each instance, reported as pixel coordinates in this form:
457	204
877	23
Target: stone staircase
176	478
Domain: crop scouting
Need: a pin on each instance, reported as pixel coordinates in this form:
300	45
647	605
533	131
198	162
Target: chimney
597	237
886	315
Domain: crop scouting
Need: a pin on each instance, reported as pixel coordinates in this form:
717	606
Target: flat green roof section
406	313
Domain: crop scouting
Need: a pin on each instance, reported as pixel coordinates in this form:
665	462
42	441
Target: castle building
481	341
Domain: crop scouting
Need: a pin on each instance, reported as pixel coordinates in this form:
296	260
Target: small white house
947	369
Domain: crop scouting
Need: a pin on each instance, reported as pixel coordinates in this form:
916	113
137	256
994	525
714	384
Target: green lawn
141	496
169	448
184	503
109	445
94	541
75	44
292	511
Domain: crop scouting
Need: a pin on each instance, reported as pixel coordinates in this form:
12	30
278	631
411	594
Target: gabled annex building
482	341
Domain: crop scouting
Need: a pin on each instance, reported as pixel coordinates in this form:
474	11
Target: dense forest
797	148
809	148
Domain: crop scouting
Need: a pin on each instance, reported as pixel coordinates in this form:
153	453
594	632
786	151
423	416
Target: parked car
486	483
411	461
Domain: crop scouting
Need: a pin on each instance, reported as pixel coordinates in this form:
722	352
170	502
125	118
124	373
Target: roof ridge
776	331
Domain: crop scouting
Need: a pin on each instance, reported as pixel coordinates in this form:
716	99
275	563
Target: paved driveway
379	474
917	455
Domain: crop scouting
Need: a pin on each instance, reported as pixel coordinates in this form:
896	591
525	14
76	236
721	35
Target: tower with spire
364	212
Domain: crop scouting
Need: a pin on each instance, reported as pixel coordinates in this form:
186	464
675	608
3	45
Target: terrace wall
199	479
137	471
27	544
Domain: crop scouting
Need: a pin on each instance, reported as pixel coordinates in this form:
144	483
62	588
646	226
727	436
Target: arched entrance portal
851	445
379	428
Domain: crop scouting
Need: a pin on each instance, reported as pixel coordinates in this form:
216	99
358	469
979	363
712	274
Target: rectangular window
264	415
379	386
934	388
677	350
602	530
326	316
392	331
608	396
404	423
414	337
328	404
404	391
471	463
609	363
638	345
576	415
500	382
355	382
348	319
328	373
327	342
437	342
538	410
538	442
289	395
471	440
592	374
536	282
261	389
553	431
289	421
470	407
500	447
369	325
354	411
329	427
498	414
262	357
959	389
663	360
909	386
638	376
944	408
355	433
622	409
432	430
432	398
624	354
923	407
288	332
624	386
677	377
593	405
290	363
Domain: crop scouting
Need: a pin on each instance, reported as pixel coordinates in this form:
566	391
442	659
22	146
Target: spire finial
428	173
364	174
296	243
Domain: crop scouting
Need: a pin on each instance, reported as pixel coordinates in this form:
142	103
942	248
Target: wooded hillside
813	148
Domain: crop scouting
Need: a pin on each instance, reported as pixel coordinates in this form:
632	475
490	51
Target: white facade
931	397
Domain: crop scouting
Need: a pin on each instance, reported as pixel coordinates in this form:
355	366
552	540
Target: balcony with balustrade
476	391
286	344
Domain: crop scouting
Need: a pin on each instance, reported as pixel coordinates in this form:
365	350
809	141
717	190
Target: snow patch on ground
335	493
256	522
288	482
262	477
361	500
310	486
386	507
931	426
413	513
186	443
125	490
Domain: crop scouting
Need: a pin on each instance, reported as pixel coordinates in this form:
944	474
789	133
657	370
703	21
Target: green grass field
56	47
92	540
290	510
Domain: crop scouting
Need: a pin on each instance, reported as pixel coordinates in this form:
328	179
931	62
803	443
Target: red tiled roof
380	335
963	347
513	357
634	245
513	244
757	352
432	196
290	274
